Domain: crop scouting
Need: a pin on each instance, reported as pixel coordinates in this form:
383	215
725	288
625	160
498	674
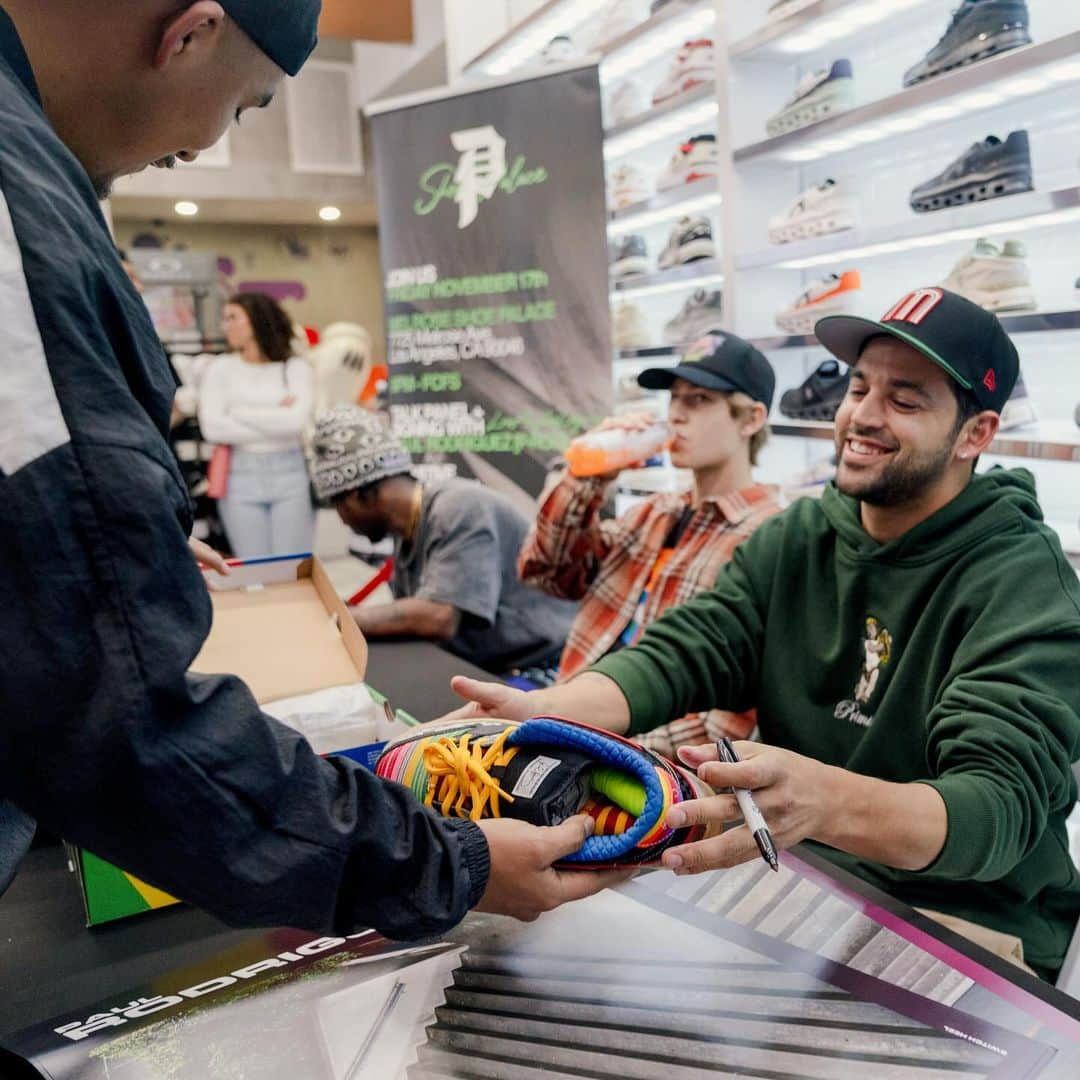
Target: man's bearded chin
103	185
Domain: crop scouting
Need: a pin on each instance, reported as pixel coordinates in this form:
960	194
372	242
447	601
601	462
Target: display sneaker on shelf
819	396
818	211
629	185
630	257
622	17
694	65
627	102
834	294
690	240
781	9
1019	409
695	159
629	330
820	95
998	279
544	771
560	50
989	169
978	29
703	313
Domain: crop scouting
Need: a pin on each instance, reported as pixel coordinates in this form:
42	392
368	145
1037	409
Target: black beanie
286	30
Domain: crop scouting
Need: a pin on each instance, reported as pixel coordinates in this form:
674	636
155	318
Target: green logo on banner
481	172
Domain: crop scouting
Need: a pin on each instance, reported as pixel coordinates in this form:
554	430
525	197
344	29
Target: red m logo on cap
990	380
914	307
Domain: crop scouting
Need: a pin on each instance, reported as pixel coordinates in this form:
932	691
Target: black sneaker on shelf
690	240
630	257
819	397
979	29
987	170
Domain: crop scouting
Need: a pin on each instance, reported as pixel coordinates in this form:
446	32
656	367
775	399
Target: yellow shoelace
459	774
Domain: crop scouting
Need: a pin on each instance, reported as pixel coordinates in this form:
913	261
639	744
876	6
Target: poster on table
807	973
492	230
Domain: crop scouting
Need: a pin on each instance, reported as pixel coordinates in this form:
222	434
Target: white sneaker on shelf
629	329
629	185
630	257
694	65
818	211
690	240
693	160
560	50
820	95
997	279
702	313
622	17
1019	409
627	102
834	294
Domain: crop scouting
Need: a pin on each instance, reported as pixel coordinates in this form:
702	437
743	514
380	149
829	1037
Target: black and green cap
286	30
965	341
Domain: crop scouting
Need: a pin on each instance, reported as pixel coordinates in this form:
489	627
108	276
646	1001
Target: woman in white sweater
259	401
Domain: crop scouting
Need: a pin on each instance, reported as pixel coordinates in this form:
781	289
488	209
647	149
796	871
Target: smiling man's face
896	428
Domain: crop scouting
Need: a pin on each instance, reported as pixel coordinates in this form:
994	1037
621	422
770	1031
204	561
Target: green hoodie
950	655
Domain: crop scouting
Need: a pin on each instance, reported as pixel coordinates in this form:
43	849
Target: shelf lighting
825	30
938	239
330	213
645	219
1059	74
185	208
684	285
668	36
563	19
679	124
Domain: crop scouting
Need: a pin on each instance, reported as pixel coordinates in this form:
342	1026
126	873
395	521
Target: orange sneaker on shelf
834	294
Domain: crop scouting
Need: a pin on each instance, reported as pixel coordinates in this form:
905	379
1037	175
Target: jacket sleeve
568	542
107	740
284	420
703	654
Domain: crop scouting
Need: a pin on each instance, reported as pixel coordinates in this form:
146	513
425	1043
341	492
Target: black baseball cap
286	30
718	362
966	342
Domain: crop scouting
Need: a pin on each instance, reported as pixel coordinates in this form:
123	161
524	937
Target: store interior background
259	195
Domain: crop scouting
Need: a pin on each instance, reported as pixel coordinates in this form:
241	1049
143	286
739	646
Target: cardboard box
279	625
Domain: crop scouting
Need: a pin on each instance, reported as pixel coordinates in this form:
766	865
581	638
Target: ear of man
976	435
194	30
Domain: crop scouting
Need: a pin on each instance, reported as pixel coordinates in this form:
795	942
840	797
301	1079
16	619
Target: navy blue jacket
105	738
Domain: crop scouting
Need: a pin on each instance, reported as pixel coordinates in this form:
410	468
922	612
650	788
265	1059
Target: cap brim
663	378
845	336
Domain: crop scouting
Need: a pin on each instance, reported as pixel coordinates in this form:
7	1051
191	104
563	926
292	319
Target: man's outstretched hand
523	882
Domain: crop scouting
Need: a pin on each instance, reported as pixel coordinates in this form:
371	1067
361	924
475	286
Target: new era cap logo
990	380
914	307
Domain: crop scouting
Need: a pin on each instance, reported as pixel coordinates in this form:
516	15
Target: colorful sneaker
834	294
820	95
1019	409
693	160
997	279
690	240
629	185
694	65
544	771
819	396
702	313
989	169
631	256
818	211
979	28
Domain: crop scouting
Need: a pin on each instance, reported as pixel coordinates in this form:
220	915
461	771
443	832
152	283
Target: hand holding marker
750	812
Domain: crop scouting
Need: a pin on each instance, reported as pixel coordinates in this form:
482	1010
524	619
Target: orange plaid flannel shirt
571	553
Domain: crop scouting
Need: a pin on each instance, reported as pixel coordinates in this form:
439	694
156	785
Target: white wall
379	65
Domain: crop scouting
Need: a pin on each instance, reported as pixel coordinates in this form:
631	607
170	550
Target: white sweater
240	404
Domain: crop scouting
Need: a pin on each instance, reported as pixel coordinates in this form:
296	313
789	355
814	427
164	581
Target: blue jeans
267	506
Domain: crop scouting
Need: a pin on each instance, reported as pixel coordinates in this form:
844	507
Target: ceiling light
330	213
185	208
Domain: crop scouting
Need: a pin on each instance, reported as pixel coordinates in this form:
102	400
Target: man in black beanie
104	736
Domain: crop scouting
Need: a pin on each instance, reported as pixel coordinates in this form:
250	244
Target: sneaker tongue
548	784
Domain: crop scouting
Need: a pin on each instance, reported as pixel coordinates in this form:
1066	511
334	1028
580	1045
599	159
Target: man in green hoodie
911	642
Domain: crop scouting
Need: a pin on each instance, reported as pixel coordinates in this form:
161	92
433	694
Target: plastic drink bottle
598	453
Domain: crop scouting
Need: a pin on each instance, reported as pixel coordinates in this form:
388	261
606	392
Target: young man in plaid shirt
668	548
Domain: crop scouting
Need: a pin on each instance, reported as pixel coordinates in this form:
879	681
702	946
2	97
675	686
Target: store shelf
1006	216
674	120
663	33
986	85
1035	322
703	272
692	198
1045	441
817	24
653	352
